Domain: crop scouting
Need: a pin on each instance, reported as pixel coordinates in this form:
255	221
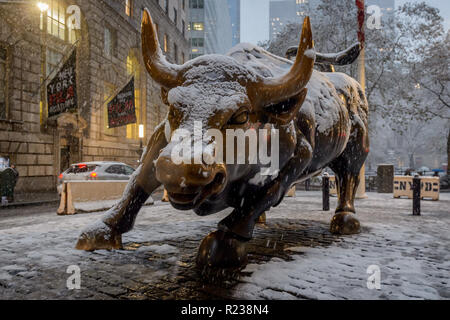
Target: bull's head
222	94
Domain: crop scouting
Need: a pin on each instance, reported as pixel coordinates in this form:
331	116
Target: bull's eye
239	118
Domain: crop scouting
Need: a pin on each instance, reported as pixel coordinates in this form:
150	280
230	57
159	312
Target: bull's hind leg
347	169
107	233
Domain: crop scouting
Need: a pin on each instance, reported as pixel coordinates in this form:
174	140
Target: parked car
100	170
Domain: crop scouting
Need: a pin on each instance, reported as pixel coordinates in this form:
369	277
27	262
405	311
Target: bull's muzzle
189	185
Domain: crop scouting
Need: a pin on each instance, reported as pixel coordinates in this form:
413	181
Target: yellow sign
430	187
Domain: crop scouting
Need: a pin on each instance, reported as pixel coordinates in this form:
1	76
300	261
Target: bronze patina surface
322	122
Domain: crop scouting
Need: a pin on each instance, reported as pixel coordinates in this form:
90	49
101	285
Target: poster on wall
121	109
62	90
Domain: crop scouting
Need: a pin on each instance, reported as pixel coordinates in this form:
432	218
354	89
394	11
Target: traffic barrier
291	192
333	188
430	187
75	192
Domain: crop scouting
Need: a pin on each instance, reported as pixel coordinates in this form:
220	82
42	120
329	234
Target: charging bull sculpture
321	120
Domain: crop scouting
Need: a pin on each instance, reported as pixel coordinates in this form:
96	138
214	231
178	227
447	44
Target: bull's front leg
106	234
226	248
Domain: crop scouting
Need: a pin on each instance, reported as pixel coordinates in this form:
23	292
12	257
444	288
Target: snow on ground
103	205
413	253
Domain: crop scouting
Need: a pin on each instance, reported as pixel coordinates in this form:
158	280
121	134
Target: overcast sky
255	17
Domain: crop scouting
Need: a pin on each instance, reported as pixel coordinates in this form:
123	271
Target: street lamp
141	135
42	6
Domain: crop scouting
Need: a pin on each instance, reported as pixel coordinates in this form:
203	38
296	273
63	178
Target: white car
99	170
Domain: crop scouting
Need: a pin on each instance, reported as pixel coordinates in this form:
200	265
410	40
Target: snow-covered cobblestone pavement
292	257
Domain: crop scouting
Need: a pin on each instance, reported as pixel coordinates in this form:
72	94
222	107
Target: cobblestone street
293	256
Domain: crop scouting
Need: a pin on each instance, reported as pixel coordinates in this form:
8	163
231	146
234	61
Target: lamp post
361	191
141	137
43	7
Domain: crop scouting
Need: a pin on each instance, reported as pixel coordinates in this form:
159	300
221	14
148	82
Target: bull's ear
284	112
164	95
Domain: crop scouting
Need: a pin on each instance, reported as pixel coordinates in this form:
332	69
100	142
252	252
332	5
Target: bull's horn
275	90
163	72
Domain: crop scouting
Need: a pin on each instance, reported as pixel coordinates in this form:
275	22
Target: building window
166	43
184	4
129	7
183	58
197	26
183	27
3	81
175	52
195	55
167	7
197	42
53	61
175	16
197	4
53	21
110	42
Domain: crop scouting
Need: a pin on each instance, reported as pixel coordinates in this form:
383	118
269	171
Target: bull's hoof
345	223
99	237
221	250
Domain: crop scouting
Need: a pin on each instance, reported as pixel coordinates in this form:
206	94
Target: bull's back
324	120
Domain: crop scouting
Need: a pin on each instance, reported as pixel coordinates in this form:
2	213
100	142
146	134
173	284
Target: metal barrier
326	192
84	191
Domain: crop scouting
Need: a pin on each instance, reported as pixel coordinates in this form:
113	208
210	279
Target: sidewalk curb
15	205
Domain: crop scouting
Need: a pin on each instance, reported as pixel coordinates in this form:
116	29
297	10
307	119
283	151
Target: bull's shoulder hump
320	86
349	87
341	80
259	60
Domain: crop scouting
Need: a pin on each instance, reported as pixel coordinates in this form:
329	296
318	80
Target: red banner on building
121	109
62	90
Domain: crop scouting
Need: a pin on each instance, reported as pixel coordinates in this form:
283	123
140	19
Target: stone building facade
34	43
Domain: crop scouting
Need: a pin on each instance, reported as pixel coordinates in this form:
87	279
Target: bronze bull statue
321	119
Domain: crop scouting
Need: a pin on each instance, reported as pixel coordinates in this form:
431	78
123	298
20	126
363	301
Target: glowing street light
141	137
42	6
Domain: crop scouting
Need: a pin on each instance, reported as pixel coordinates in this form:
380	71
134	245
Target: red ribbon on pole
361	19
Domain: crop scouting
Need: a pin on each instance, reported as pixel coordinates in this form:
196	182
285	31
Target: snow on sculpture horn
309	120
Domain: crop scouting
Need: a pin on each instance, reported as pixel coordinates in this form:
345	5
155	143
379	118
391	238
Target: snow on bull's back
324	100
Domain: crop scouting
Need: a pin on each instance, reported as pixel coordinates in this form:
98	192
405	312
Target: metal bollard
308	185
416	195
326	192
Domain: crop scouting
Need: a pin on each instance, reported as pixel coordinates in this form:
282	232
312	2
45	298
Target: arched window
54	21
